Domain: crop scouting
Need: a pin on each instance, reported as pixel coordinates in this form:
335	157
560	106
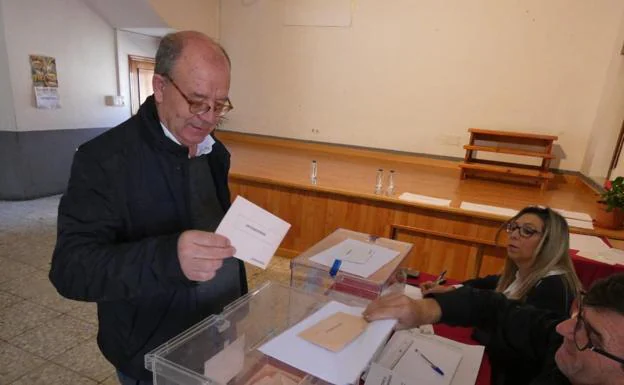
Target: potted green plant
610	212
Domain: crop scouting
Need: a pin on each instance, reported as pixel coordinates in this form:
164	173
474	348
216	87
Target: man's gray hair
168	52
170	48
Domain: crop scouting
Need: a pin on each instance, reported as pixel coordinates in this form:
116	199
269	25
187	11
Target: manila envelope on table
336	331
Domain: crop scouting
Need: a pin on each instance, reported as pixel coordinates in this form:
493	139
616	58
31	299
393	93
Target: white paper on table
226	364
413	292
595	257
614	255
341	368
502	211
378	375
416	368
580	224
588	243
424	199
468	368
254	232
610	256
368	257
422	329
574	215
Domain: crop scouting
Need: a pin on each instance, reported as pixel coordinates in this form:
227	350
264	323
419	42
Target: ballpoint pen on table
433	366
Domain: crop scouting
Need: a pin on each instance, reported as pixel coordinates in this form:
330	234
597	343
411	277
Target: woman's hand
410	313
430	287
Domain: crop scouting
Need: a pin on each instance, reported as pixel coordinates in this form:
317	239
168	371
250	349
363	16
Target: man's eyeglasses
198	108
582	334
524	231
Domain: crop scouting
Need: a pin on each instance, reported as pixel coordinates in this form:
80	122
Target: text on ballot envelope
254	232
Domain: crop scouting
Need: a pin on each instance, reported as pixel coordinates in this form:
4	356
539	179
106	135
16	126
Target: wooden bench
512	143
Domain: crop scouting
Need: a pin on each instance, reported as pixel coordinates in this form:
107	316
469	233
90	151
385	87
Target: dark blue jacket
119	221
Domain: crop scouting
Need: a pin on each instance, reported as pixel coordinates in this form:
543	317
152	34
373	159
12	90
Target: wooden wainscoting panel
305	211
462	256
493	260
432	255
444	240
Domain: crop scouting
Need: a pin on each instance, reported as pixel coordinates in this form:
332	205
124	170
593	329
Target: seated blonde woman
538	269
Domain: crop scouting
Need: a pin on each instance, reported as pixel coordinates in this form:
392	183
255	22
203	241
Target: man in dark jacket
136	224
587	348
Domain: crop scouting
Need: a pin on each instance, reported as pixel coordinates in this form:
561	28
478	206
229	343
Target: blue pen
433	366
335	267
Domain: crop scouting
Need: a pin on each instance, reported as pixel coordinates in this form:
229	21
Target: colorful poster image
43	71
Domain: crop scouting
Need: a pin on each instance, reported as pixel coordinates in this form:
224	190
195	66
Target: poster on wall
45	81
47	97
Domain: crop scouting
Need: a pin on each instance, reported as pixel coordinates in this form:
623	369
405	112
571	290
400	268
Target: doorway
141	72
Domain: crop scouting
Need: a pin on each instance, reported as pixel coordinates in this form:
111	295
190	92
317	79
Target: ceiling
130	15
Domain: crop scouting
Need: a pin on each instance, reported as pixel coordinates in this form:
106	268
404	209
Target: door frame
134	64
615	159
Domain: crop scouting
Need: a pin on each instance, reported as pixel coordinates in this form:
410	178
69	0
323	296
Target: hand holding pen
435	287
440	280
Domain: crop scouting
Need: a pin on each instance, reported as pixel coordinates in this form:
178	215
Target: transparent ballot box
312	276
223	349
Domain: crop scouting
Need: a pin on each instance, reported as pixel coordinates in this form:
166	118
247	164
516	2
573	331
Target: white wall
198	15
84	47
413	75
129	43
609	117
7	111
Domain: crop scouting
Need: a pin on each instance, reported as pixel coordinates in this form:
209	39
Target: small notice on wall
45	81
47	97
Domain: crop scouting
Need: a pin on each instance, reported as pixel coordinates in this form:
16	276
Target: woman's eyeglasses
524	230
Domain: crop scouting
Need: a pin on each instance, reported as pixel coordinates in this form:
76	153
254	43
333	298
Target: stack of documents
424	199
576	219
341	367
596	249
357	258
611	256
502	211
581	242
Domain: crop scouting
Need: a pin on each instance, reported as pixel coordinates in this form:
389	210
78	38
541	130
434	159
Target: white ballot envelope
254	232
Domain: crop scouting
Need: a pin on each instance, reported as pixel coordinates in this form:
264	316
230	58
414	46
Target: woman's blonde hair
552	253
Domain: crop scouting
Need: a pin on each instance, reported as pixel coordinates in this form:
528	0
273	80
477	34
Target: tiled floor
44	338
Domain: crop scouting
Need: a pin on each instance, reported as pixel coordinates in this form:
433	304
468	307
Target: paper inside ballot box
275	375
336	331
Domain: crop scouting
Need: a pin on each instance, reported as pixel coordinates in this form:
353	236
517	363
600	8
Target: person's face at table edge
605	329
